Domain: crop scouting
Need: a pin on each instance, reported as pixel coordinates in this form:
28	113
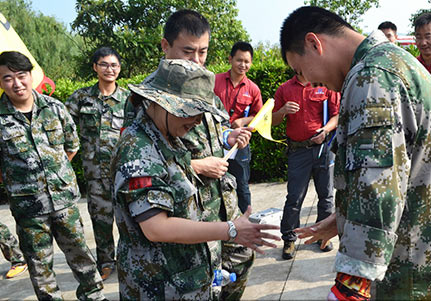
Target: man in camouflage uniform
187	29
383	148
98	110
155	192
11	252
38	140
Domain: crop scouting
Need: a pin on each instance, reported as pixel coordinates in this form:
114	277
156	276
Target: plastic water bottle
223	277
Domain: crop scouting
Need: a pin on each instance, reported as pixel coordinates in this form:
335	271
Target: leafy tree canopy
47	39
135	27
349	10
418	13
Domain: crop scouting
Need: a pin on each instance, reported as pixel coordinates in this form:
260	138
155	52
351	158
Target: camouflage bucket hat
182	88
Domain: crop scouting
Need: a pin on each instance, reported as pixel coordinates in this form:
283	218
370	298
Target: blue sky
262	19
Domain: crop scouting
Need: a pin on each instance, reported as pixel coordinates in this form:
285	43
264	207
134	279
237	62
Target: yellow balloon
10	41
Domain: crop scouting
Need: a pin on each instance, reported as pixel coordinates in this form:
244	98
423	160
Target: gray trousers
240	169
304	164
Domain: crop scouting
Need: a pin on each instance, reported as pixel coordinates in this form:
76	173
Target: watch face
232	233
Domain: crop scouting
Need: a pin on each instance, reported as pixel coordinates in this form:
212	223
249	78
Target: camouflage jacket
36	172
143	153
382	171
100	119
202	141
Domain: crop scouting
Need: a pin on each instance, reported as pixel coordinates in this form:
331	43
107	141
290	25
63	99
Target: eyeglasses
105	66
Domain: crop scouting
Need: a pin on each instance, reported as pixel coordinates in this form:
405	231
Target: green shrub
413	50
268	71
269	160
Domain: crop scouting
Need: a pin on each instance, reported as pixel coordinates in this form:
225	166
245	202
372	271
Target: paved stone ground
306	277
309	275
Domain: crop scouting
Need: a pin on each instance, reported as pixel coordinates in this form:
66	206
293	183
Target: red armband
351	288
138	183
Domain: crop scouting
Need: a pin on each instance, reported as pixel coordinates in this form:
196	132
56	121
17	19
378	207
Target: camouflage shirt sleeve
372	171
139	159
129	112
71	139
72	104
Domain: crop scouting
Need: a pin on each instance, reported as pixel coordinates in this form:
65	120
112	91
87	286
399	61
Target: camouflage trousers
9	246
36	236
137	281
99	201
235	259
214	248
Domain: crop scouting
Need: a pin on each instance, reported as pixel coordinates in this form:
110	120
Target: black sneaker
288	250
329	247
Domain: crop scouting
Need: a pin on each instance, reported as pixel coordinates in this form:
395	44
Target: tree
47	39
418	13
349	10
135	27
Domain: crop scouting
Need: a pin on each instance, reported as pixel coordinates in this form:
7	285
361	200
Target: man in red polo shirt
242	100
423	39
308	153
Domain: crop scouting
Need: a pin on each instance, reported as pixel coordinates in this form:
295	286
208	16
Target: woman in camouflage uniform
162	252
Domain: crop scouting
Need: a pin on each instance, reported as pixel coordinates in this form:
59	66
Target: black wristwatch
232	232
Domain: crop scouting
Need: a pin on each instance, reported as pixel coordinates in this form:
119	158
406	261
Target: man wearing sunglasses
98	110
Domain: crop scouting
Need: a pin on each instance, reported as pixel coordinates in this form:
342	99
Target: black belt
293	145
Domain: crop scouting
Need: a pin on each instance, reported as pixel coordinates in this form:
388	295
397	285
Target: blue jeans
240	169
303	163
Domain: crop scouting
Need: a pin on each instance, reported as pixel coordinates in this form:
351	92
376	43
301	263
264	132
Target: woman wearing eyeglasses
98	110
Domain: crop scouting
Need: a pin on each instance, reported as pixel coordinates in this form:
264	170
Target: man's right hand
251	235
211	167
323	230
241	136
291	107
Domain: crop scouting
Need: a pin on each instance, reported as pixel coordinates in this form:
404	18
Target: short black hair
15	61
186	20
104	51
387	25
243	46
422	20
308	19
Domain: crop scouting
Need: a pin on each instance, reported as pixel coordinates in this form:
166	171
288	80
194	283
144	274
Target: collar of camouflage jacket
95	91
7	108
374	39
